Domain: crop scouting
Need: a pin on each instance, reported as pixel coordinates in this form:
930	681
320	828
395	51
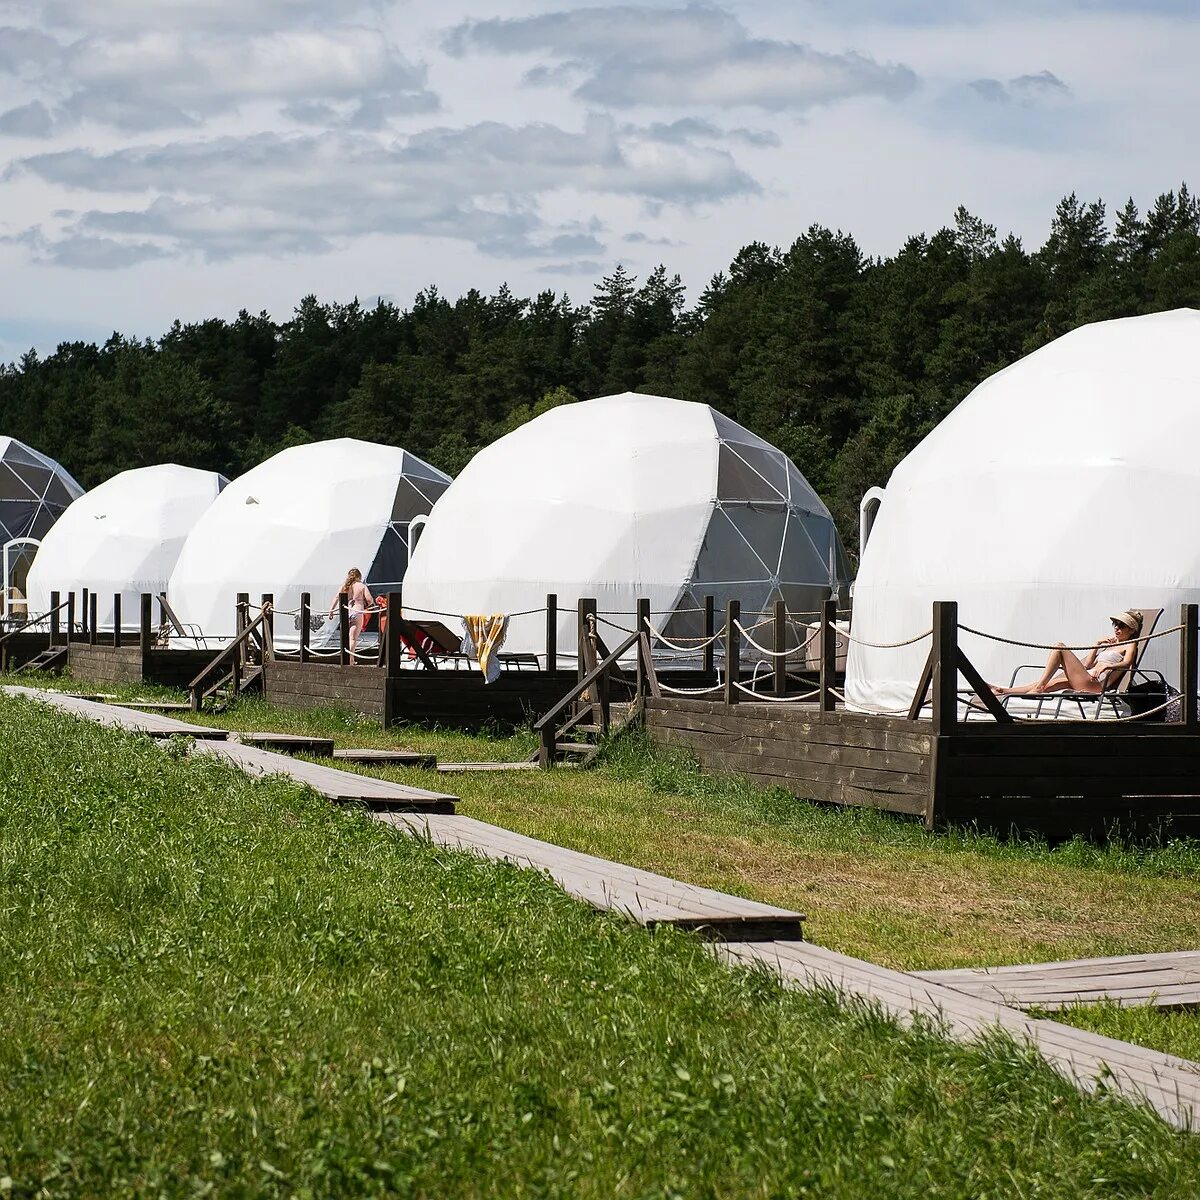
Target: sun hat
1130	619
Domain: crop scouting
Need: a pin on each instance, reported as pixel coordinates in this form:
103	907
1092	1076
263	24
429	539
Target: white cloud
1024	89
280	195
636	56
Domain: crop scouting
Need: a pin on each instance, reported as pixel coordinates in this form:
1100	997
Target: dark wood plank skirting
1055	779
838	758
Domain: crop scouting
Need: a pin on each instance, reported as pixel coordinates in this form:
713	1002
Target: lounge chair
1115	685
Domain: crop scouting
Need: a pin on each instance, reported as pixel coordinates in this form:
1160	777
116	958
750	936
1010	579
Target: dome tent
297	523
1053	495
34	491
123	536
620	498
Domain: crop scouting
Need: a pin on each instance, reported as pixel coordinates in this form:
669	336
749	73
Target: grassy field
871	885
218	986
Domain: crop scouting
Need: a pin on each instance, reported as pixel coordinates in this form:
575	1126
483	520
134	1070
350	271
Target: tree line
842	360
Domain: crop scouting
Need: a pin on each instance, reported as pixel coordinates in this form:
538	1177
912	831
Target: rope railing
701	691
995	637
775	653
741	687
701	642
912	641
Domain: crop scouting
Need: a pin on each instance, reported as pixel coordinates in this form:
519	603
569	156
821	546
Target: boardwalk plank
1169	1084
339	786
644	896
1169	980
112	716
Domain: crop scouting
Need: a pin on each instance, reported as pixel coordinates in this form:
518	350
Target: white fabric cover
619	498
123	536
297	523
1060	491
34	491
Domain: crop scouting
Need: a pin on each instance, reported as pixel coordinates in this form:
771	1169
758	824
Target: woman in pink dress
358	600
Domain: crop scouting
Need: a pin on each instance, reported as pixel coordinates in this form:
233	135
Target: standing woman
358	600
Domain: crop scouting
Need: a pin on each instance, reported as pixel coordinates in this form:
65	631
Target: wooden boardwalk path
645	897
1163	980
113	716
342	787
1170	1085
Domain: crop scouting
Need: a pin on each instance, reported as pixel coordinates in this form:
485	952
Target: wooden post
710	628
733	651
827	641
642	625
945	666
551	633
116	620
268	608
83	610
55	614
586	609
780	645
243	613
305	619
1188	667
70	616
394	655
92	619
343	630
146	631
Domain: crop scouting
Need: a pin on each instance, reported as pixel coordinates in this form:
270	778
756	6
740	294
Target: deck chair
1115	686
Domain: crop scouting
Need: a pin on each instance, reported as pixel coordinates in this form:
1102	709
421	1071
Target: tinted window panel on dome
726	554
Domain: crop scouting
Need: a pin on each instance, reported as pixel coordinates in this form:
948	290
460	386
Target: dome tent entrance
297	523
1051	497
122	537
620	498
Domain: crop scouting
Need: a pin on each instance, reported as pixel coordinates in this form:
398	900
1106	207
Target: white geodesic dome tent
1060	491
122	537
34	491
620	498
297	523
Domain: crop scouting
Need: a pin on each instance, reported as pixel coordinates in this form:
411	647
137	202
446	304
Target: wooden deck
1161	980
643	896
1170	1085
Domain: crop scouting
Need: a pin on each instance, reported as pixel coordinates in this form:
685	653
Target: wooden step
369	756
575	747
288	743
464	768
46	660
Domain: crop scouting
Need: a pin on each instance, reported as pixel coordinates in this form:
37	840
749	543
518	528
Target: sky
168	159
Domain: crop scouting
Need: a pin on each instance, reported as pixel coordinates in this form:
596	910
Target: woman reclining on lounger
1067	672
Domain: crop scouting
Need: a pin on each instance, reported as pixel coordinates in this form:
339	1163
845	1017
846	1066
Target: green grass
221	986
871	884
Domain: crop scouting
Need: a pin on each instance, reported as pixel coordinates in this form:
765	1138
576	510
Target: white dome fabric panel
123	536
1059	491
620	498
297	523
34	491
